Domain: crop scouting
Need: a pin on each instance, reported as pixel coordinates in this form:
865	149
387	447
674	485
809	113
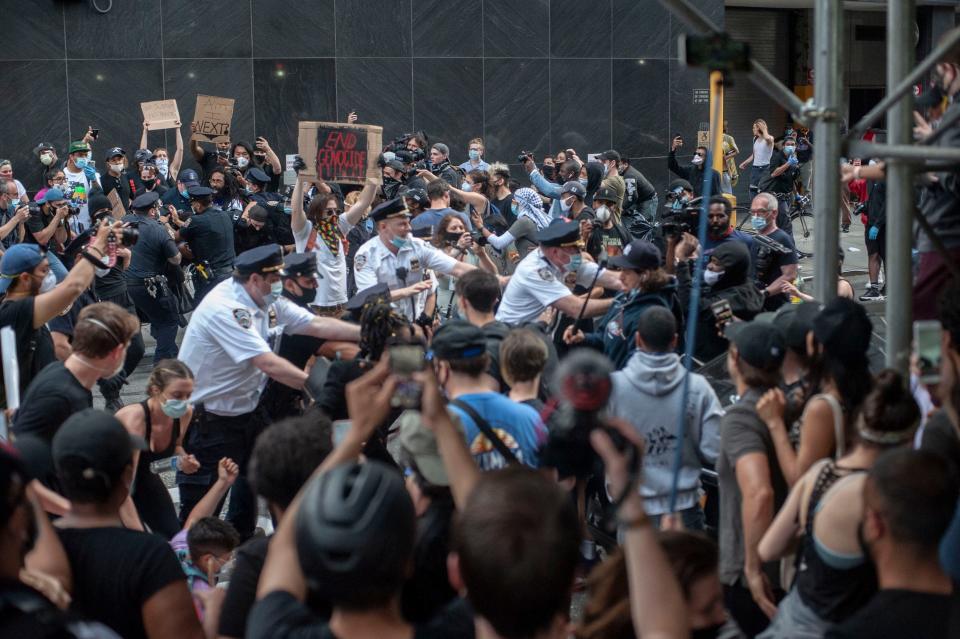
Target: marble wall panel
580	29
367	30
209	29
36	34
447	28
380	90
580	105
641	30
288	91
448	101
514	29
293	28
641	106
516	108
129	30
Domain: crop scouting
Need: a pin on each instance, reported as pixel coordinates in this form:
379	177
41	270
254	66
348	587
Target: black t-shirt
34	345
900	614
115	571
24	612
52	397
107	288
36	224
767	262
246	237
150	254
505	206
173	196
279	614
210	235
122	184
639	189
782	183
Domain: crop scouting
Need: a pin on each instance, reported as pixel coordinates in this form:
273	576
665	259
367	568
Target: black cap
559	234
638	255
257	175
145	201
843	328
396	165
297	264
417	195
114	152
99	439
361	298
606	194
199	191
142	155
150	164
390	209
189	177
574	186
759	344
99	202
610	155
458	339
262	259
679	183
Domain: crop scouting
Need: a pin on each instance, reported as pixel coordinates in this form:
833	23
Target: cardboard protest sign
118	210
211	119
160	114
338	152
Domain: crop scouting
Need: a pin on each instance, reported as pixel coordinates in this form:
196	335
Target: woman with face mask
167	168
162	421
836	576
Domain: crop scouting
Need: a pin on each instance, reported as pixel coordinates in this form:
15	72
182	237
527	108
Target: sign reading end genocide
339	152
211	119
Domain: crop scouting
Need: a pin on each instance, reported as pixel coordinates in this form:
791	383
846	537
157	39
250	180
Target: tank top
148	456
833	593
761	152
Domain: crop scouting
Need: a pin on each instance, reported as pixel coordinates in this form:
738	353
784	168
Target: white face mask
242	162
711	277
49	282
46	159
116	168
696	160
565	205
603	214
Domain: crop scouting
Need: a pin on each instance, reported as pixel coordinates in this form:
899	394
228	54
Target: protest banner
211	119
118	210
338	152
160	114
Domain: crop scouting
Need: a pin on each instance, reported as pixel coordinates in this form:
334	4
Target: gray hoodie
647	394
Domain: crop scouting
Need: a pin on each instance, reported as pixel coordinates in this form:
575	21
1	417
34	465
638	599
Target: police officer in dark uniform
146	282
300	287
178	197
257	183
252	227
209	233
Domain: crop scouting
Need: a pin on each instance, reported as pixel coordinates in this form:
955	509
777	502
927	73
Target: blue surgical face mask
276	289
81	162
576	260
400	242
514	208
466	186
788	150
583	181
175	408
758	222
474	154
184	193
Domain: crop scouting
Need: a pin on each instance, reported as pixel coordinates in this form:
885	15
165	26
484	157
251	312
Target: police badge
545	274
243	317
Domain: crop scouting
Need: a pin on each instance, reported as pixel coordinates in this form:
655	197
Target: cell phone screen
721	311
95	133
926	338
404	361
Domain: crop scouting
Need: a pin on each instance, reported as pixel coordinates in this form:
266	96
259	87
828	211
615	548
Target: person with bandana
440	164
396	258
229	345
546	276
719	229
693	172
322	230
531	219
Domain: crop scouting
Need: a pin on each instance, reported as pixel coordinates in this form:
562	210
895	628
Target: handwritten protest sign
211	119
118	210
160	114
338	152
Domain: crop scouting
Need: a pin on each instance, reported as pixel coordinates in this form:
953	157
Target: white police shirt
332	288
225	333
376	264
535	285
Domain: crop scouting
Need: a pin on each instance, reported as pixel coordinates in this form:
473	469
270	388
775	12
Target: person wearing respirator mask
608	236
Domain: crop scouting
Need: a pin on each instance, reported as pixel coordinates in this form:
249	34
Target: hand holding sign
211	119
337	152
160	114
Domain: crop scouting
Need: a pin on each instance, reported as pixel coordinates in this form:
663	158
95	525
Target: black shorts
876	246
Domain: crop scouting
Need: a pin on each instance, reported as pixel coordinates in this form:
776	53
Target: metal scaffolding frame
824	112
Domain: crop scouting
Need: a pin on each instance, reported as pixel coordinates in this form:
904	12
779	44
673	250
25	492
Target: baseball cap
686	186
606	194
417	195
78	146
574	186
142	155
18	259
115	151
458	339
99	440
188	177
419	444
53	195
610	155
638	255
43	146
759	344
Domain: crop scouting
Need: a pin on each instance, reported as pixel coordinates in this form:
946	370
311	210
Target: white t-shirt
535	285
225	333
80	185
761	152
332	288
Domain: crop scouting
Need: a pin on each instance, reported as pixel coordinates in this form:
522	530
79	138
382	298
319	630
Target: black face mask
710	632
305	298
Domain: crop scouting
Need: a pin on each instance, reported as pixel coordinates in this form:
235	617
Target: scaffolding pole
827	91
900	57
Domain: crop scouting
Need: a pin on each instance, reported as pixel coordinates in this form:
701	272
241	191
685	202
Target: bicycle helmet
355	534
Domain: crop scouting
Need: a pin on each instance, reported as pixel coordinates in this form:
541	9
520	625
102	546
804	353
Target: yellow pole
716	133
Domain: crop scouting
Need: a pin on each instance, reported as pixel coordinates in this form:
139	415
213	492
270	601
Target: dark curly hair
379	322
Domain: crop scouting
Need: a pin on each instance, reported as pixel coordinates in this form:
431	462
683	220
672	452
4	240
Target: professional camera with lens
478	238
129	234
35	208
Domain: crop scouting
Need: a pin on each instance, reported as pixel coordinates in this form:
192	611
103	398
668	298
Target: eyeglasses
759	211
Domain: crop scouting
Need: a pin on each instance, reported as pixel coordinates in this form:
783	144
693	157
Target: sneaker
845	228
873	294
113	404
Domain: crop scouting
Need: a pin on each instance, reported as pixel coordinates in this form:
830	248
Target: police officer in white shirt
398	259
229	345
322	231
546	276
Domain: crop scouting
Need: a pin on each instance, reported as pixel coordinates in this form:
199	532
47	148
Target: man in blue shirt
460	356
439	193
475	153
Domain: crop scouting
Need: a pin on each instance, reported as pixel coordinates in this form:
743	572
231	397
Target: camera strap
487	430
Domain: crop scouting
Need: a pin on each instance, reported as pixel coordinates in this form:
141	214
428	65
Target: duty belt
156	286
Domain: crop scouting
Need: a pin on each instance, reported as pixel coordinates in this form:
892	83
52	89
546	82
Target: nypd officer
209	233
547	275
300	282
229	346
396	258
147	284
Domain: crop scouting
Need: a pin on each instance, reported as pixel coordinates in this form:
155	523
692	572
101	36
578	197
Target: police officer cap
297	264
262	259
605	194
199	191
559	234
390	209
145	201
417	195
680	183
458	339
574	186
189	177
257	175
357	302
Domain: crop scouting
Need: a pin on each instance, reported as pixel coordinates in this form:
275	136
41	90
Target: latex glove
90	172
873	232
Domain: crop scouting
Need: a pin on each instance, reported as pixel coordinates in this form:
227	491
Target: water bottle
167	463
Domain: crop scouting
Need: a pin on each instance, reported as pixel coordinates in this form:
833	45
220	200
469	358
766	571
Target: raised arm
195	149
144	134
298	219
174	169
227	472
356	211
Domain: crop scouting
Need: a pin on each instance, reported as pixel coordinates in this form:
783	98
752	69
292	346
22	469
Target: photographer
47	228
15	213
440	164
775	265
452	238
146	282
693	172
